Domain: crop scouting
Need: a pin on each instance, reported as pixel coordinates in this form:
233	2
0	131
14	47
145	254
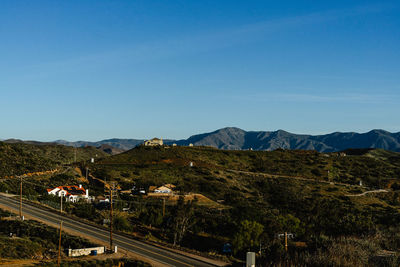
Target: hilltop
171	164
20	158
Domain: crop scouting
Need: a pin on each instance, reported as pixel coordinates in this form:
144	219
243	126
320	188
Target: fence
85	251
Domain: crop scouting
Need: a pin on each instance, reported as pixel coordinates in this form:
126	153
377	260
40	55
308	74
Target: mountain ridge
233	138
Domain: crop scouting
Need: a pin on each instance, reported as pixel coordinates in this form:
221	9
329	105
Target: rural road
162	256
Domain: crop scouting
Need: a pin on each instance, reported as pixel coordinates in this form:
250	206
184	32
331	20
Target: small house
72	193
154	142
163	190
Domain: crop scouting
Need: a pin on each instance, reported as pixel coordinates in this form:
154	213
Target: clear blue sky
90	70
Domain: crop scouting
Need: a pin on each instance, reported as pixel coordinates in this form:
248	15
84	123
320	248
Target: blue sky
90	70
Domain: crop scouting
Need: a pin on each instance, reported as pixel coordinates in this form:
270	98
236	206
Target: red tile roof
71	190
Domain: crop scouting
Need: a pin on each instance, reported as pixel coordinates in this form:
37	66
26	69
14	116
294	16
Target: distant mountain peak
229	129
379	131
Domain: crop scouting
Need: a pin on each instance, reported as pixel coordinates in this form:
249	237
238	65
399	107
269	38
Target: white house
72	193
165	189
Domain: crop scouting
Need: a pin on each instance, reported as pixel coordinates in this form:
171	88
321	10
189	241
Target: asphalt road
145	250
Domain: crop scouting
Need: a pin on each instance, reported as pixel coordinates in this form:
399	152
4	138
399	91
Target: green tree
290	223
248	235
152	216
85	210
121	223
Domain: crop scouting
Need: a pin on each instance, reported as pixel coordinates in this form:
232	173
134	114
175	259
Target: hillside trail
40	173
368	192
274	176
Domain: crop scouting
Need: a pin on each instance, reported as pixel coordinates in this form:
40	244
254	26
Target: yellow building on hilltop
154	142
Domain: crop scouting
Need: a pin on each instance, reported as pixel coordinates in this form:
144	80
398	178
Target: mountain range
232	138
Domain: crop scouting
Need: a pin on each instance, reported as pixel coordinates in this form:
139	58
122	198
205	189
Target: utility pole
20	198
111	217
74	154
87	171
59	246
286	246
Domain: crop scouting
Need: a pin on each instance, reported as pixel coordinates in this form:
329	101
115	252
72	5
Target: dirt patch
172	199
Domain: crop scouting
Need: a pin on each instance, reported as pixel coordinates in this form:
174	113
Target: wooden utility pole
74	154
111	218
286	246
59	246
20	198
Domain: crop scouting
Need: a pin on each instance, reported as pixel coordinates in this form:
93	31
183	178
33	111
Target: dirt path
368	192
275	176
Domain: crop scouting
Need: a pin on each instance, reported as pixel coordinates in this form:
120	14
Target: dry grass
172	199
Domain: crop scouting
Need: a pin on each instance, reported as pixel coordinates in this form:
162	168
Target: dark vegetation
19	158
149	166
33	240
263	194
267	199
99	263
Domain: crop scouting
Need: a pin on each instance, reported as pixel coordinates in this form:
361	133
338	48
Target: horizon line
174	139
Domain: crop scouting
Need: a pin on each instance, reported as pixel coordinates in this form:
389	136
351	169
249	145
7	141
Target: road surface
163	256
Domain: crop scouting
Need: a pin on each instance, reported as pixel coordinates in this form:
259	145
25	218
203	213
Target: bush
121	223
85	210
247	236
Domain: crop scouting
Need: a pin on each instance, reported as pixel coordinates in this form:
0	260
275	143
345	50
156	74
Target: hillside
31	243
123	144
110	149
171	165
20	158
315	195
33	240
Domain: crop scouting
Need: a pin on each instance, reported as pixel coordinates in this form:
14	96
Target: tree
85	210
182	218
248	235
152	216
121	223
289	223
